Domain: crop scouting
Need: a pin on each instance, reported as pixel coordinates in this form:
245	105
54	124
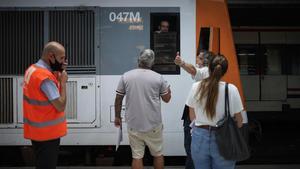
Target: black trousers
187	138
46	153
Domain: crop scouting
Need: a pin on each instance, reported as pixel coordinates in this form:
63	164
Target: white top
235	104
143	88
201	73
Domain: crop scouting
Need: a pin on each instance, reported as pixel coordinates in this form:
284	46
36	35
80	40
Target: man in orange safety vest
44	102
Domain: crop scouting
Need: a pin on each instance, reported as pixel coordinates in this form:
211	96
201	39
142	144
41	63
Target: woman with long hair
206	101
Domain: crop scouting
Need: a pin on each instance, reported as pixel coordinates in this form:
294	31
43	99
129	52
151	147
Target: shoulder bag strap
227	108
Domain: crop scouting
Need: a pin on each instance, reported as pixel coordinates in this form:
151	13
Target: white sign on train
127	17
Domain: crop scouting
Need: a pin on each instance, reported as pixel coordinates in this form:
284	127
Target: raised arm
186	66
60	103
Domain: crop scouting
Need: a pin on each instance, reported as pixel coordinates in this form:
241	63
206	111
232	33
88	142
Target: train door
267	67
293	69
273	78
247	54
261	63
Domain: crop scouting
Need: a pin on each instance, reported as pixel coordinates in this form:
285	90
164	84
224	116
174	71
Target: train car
269	67
103	39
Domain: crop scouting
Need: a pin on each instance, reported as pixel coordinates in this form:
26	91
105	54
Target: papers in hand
120	137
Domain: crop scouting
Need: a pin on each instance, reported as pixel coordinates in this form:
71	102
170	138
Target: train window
209	39
272	59
165	41
293	59
247	58
204	39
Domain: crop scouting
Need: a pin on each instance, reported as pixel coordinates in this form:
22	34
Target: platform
293	166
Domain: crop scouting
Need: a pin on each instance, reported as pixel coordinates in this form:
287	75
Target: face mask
56	66
198	65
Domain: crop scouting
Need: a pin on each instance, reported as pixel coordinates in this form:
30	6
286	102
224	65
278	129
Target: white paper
120	137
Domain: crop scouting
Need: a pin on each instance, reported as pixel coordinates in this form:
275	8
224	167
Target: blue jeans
205	151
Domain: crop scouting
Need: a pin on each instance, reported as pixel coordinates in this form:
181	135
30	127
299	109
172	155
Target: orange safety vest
41	119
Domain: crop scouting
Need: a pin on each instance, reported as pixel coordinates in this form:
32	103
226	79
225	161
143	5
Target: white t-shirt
201	73
235	104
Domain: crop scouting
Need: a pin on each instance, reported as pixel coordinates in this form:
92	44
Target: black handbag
231	144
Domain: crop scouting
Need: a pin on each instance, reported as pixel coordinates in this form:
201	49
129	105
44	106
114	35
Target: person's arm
166	97
118	108
239	119
120	93
192	114
164	91
186	66
236	105
191	102
60	103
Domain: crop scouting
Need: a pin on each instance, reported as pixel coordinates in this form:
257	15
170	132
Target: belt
207	127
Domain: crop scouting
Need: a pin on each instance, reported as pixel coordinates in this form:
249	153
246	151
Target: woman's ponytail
209	87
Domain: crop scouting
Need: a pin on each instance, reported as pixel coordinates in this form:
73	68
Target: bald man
44	102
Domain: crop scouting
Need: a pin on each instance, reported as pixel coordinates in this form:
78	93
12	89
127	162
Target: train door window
273	72
293	54
165	41
204	39
209	39
247	58
273	59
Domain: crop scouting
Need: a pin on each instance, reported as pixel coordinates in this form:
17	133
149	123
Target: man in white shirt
198	72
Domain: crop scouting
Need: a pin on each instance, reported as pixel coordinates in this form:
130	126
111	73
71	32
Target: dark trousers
46	153
187	145
187	138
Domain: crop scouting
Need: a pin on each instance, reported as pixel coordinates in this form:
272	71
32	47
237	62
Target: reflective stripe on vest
44	124
36	102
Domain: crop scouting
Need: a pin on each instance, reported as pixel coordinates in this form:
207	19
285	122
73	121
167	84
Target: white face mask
198	66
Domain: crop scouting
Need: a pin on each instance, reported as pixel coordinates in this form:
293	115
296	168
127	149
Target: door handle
84	87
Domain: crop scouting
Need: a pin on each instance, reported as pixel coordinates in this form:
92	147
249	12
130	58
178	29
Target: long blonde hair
209	87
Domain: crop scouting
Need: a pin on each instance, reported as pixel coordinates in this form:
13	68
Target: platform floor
174	167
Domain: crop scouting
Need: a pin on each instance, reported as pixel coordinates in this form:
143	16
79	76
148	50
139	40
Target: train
103	39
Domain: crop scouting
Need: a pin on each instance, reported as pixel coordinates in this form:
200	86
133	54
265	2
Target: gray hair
146	58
